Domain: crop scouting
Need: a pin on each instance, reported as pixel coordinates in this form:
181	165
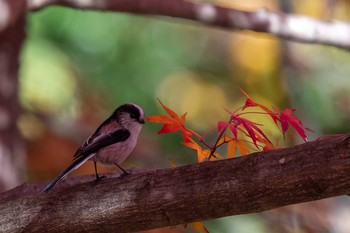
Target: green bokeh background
78	66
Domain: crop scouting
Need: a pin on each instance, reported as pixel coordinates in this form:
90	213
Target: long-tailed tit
111	143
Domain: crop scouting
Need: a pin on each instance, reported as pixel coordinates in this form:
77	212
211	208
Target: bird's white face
132	118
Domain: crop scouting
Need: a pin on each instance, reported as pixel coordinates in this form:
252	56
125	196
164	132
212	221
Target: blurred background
78	66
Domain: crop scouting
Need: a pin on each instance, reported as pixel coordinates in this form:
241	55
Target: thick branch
197	192
288	26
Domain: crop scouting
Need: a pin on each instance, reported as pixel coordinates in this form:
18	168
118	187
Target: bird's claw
125	173
100	178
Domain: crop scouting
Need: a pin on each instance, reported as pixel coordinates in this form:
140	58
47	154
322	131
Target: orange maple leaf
172	124
172	163
199	227
231	145
242	147
202	154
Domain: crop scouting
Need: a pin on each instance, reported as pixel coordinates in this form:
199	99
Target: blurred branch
12	161
288	26
196	192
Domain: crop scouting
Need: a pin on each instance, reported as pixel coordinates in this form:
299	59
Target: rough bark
197	192
11	147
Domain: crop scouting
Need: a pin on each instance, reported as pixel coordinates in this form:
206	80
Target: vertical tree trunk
12	161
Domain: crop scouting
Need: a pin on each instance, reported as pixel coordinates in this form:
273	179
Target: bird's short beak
142	121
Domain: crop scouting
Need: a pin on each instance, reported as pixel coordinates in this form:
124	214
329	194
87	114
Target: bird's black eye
132	116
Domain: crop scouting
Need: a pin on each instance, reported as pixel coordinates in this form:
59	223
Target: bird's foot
100	177
125	173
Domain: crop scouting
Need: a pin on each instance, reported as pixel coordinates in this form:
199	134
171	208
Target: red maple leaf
251	103
286	118
244	125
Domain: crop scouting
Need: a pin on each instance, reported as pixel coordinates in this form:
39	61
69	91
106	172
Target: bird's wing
88	150
95	136
96	142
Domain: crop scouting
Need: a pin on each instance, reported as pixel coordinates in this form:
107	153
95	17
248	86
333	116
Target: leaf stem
213	149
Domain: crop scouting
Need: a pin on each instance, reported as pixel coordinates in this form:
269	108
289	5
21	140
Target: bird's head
130	116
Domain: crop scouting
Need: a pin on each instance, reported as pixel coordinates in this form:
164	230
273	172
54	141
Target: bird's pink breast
115	153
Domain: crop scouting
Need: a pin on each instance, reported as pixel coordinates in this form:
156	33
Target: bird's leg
96	174
125	173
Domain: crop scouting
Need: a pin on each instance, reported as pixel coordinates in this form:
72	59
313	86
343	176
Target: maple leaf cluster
238	133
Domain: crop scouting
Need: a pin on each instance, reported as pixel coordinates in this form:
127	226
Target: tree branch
288	26
12	165
196	192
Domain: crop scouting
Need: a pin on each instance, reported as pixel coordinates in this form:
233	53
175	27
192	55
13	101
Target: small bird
111	143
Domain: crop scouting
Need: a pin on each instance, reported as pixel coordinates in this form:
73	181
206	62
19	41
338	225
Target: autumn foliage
237	133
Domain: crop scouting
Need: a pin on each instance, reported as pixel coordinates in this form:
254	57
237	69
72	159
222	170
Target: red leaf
251	103
287	118
186	135
159	119
169	128
222	125
251	127
233	130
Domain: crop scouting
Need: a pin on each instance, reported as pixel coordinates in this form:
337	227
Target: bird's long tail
77	163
